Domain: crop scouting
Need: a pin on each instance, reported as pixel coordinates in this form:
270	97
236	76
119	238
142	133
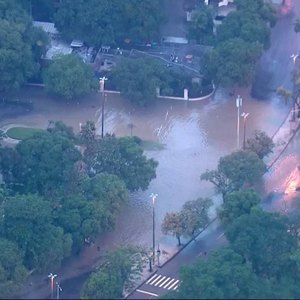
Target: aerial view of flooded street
185	134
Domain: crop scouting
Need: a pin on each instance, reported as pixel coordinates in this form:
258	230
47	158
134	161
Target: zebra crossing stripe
163	283
173	284
157	278
175	288
159	281
169	283
151	278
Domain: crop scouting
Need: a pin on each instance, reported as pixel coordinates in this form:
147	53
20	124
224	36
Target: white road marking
173	284
175	288
157	278
159	281
222	234
163	283
169	283
148	293
151	278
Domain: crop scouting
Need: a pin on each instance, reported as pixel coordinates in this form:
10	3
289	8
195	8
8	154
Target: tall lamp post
244	115
153	196
51	277
102	82
239	103
58	290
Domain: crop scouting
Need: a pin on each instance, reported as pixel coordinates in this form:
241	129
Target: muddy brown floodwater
194	135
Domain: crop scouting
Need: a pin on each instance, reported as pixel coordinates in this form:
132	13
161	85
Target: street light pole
153	196
244	115
101	82
239	103
58	290
51	277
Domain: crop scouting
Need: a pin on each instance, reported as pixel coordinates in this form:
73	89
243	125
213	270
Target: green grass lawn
22	133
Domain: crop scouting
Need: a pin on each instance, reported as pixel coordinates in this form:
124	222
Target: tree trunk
178	239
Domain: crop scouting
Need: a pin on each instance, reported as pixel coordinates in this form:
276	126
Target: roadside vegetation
61	191
240	41
261	260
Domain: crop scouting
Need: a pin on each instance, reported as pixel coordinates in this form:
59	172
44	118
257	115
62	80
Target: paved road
166	279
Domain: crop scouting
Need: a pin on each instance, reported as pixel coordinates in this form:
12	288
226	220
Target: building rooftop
46	26
57	48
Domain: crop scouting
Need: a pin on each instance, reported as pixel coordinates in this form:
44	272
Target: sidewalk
282	137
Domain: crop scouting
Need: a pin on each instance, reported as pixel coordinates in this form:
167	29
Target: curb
172	257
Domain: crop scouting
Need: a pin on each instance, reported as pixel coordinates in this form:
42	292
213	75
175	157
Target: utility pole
244	115
239	103
58	290
51	277
153	196
101	83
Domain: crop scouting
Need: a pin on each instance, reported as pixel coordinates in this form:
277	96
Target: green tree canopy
232	62
263	239
123	157
109	22
249	27
201	25
28	222
43	163
70	77
173	224
236	170
121	268
110	193
261	144
237	204
93	209
137	79
224	275
12	270
195	215
264	9
20	47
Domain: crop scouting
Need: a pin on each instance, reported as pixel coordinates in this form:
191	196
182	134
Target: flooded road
195	136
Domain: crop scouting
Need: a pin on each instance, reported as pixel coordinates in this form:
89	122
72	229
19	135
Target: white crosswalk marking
157	278
173	284
163	282
151	278
159	281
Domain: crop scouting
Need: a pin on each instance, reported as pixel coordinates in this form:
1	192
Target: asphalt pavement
166	279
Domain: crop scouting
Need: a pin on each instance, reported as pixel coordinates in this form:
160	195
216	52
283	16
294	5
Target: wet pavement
195	136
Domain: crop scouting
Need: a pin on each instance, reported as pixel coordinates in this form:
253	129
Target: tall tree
261	144
12	271
237	204
263	239
232	62
70	77
125	158
109	22
28	222
236	170
44	163
173	224
195	215
225	275
137	79
20	46
201	25
121	268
